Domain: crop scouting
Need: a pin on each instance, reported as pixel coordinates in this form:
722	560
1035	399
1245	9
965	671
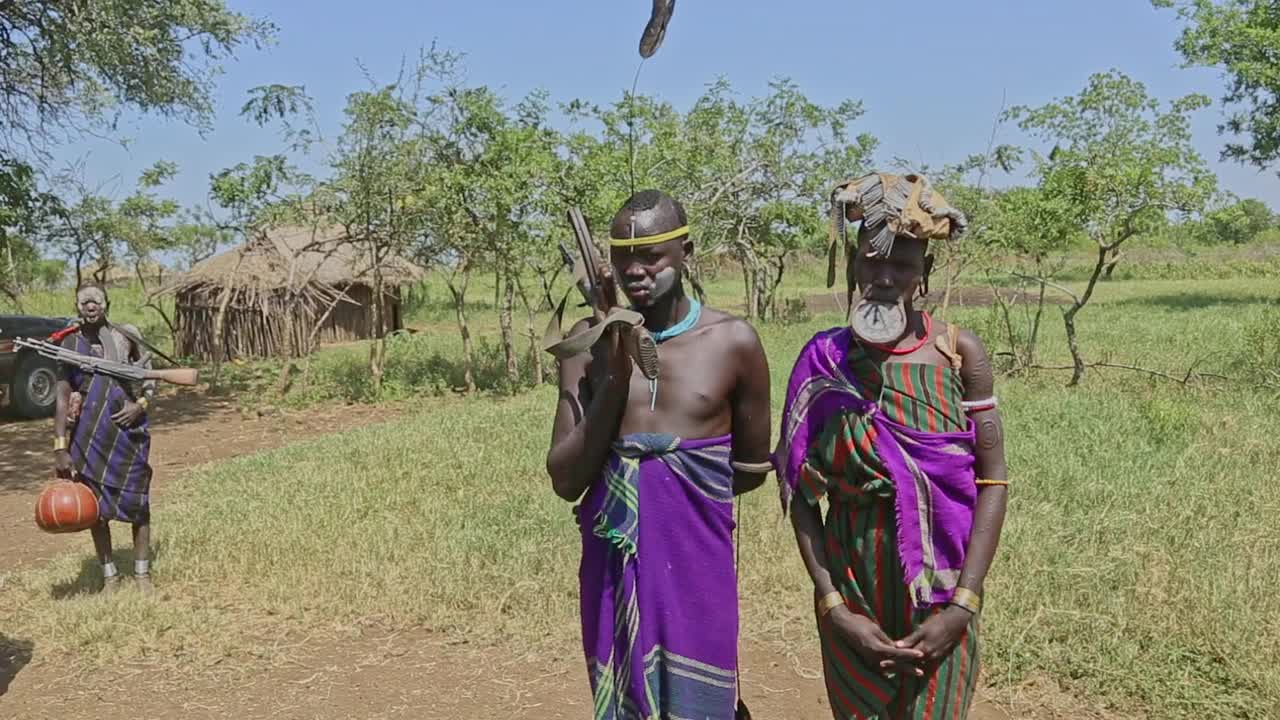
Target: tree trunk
772	284
142	282
535	352
8	252
758	283
1035	326
13	296
506	323
459	293
1069	316
378	350
287	348
1000	303
1077	371
951	278
1111	264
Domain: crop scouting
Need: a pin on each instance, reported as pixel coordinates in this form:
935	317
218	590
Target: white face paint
664	281
91	294
648	293
96	307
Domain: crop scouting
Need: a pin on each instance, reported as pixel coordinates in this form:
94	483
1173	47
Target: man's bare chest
693	388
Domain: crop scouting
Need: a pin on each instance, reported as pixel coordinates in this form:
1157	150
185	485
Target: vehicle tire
34	388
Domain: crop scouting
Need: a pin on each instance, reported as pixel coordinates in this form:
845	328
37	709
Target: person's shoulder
734	330
972	351
968	344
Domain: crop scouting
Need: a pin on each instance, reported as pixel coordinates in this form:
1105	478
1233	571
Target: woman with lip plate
892	420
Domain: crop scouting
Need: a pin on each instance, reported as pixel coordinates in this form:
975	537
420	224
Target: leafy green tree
25	214
1236	222
1241	38
752	173
1121	163
67	66
379	167
70	67
489	169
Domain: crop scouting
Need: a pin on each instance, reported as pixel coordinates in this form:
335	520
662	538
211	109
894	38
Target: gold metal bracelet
59	443
146	404
984	481
830	602
967	599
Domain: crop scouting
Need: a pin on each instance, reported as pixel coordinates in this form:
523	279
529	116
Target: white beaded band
978	405
141	567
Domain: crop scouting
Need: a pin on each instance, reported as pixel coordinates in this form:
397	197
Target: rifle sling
563	348
138	339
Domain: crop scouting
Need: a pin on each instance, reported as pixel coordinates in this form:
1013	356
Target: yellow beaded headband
649	239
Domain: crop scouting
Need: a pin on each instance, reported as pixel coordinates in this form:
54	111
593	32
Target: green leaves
1241	38
69	64
1121	163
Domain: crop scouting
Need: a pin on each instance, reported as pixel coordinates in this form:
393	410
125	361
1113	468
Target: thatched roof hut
289	280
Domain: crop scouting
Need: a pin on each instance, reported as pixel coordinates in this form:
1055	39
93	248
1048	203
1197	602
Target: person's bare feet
144	585
111	584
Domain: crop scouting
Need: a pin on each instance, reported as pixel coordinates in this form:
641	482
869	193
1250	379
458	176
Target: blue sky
931	74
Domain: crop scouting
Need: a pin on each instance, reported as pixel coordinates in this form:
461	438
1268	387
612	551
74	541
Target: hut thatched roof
288	257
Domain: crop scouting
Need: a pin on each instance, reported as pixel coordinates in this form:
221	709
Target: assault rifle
119	370
602	298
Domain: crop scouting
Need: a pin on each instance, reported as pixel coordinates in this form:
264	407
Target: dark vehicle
27	380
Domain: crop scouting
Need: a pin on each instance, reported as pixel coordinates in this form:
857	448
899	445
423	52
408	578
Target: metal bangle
967	599
752	467
829	602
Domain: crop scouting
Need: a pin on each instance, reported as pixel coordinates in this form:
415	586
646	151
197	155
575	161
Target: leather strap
563	348
947	345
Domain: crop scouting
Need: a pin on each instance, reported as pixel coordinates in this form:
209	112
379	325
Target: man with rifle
109	443
655	445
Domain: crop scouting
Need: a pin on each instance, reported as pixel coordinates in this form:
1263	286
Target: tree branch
1048	283
1185	380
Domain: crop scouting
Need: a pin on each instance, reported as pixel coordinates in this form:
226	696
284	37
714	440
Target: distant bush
416	366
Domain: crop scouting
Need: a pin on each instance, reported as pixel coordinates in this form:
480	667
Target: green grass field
1138	565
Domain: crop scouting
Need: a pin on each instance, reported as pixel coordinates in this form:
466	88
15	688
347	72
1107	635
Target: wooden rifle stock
174	376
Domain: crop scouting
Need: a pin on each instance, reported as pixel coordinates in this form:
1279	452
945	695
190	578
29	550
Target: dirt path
191	429
406	675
